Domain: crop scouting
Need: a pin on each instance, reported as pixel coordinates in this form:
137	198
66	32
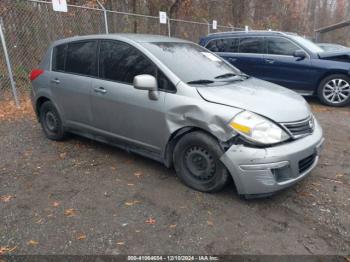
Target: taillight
35	73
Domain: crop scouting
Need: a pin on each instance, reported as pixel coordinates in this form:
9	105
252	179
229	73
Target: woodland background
300	16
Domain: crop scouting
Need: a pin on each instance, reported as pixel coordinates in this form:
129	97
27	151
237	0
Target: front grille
300	128
306	163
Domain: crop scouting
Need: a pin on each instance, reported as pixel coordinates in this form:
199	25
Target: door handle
231	59
100	90
270	61
55	81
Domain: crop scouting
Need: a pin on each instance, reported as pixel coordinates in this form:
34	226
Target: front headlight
257	128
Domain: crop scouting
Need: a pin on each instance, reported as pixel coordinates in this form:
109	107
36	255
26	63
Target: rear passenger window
58	57
81	58
280	46
122	62
223	45
252	45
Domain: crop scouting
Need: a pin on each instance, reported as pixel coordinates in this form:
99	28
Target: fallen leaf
210	223
63	155
138	174
6	198
4	250
150	221
172	226
131	203
120	243
81	237
70	212
32	242
303	193
339	175
55	204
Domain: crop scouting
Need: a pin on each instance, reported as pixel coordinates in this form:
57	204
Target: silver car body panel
127	115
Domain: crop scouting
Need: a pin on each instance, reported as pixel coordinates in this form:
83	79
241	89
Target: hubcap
51	121
200	163
336	91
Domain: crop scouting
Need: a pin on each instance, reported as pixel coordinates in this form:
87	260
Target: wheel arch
329	73
39	102
175	137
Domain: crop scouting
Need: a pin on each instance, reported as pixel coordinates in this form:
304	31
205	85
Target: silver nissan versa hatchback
176	102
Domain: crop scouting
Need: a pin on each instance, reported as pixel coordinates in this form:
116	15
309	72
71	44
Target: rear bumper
266	170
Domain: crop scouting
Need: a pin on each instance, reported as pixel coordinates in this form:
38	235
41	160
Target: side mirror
149	83
299	54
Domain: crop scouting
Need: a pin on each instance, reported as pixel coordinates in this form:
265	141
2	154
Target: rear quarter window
223	45
58	57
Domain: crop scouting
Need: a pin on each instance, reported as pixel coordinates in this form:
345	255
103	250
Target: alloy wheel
336	91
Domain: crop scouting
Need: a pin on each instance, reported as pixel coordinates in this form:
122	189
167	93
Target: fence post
105	15
8	63
169	31
206	21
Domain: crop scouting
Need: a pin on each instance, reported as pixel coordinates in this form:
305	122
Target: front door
118	108
282	68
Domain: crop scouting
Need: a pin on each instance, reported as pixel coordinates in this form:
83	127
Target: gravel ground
84	197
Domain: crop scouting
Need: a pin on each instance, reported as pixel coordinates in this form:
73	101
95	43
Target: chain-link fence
29	27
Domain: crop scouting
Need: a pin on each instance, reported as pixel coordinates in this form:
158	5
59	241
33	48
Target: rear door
281	67
245	53
118	108
73	66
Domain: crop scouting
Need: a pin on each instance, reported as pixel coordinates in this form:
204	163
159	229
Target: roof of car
140	38
252	32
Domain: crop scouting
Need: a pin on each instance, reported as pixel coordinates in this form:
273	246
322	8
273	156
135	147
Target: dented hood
334	54
261	97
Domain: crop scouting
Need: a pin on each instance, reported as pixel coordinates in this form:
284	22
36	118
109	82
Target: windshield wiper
225	75
201	82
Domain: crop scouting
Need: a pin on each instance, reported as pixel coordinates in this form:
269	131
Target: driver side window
280	46
121	62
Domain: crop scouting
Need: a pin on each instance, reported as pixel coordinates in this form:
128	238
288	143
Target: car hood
335	54
264	98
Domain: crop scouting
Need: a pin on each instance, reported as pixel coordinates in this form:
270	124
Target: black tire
51	122
197	162
332	85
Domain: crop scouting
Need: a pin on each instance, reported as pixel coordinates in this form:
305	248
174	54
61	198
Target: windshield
190	62
307	44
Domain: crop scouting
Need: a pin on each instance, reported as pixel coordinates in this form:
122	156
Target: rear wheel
334	90
197	162
51	121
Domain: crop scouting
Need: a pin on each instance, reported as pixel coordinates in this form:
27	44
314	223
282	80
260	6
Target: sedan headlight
257	128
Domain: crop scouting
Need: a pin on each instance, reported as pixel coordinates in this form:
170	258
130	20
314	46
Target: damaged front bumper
262	171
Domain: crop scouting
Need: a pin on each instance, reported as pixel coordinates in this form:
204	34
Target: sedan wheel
197	162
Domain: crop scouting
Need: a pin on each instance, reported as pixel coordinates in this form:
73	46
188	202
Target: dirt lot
80	196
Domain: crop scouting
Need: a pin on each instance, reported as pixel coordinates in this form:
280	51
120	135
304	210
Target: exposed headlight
257	128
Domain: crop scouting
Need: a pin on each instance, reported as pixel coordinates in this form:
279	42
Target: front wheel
197	162
334	90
